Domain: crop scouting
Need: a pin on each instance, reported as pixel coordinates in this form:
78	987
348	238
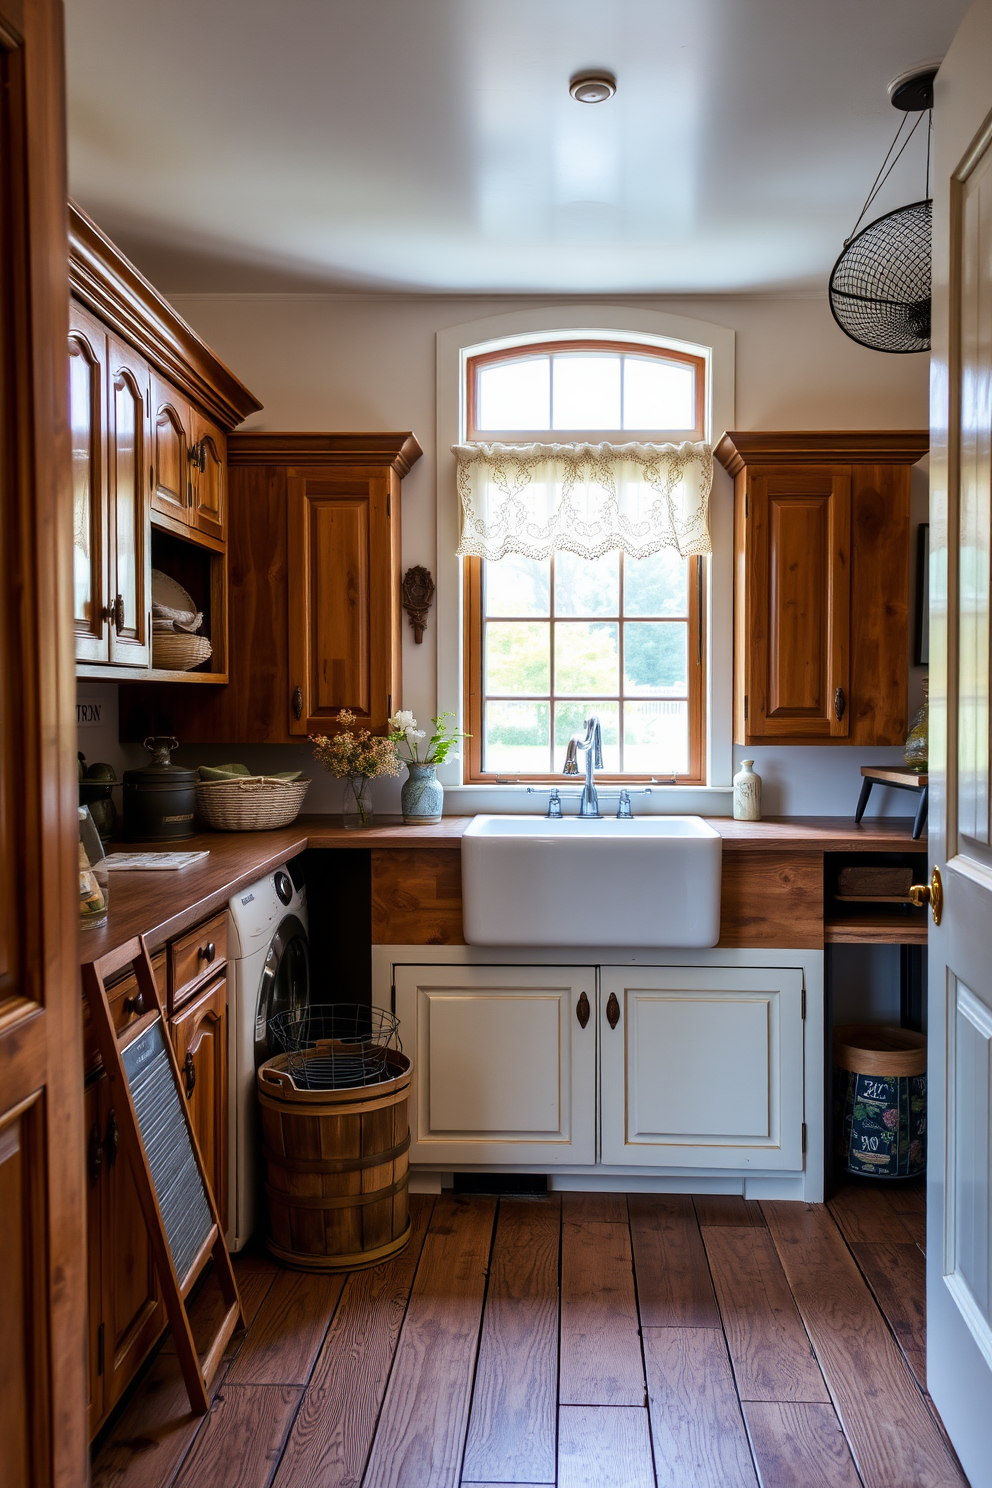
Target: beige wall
366	362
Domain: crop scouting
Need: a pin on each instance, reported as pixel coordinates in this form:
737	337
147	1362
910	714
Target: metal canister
159	800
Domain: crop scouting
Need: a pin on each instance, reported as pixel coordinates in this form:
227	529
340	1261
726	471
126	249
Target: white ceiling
431	145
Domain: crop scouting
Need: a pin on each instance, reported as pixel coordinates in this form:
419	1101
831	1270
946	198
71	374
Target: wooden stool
901	777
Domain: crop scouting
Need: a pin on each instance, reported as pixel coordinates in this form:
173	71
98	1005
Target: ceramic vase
358	801
422	796
747	793
918	739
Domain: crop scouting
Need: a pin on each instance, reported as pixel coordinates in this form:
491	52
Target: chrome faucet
592	745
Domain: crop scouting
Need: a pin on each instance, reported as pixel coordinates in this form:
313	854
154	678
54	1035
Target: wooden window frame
474	621
563	436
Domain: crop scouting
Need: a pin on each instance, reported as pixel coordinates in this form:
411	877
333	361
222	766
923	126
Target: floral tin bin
882	1100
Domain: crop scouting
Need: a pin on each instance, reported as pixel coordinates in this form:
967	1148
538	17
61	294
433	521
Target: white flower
403	721
412	733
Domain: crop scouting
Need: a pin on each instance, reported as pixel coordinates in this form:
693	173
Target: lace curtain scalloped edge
586	499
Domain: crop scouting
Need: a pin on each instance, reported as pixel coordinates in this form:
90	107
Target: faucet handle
624	812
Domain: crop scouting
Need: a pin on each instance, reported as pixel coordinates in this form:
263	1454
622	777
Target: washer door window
285	983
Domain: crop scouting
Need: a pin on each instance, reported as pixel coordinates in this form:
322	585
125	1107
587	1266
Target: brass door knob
931	893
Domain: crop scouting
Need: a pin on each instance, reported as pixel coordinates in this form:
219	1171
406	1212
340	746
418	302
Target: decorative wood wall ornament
418	596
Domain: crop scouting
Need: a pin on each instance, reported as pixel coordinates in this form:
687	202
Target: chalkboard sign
165	1138
178	1206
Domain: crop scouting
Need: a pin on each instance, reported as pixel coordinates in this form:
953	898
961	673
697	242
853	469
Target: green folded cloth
232	772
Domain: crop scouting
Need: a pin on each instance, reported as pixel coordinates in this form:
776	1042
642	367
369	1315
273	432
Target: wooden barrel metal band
349	1201
336	1165
360	1108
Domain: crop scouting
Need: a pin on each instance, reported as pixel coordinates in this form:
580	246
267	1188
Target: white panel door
702	1067
959	1157
504	1062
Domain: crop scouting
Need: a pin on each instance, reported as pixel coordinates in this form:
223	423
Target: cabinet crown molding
106	282
739	448
260	447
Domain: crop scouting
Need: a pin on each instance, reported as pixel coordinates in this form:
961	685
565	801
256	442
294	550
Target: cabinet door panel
799	612
199	1036
170	475
341	598
87	423
128	462
133	1310
209	476
23	1287
503	1069
704	1067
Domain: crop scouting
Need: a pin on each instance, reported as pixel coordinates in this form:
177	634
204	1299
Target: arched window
550	641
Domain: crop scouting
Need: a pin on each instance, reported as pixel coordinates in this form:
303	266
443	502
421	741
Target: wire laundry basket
336	1046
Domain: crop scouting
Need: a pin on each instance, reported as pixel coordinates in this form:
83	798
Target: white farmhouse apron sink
531	881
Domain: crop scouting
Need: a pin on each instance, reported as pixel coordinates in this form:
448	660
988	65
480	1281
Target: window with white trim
600	611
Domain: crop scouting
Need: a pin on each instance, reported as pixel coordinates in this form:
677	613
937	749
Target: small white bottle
747	793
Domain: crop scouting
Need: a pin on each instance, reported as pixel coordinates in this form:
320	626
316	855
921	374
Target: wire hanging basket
880	285
336	1046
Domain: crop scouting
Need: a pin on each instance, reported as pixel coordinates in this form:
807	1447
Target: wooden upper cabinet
170	473
314	552
798	620
208	476
342	598
87	425
128	427
821	600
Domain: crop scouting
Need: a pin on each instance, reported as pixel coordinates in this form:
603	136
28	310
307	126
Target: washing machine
269	959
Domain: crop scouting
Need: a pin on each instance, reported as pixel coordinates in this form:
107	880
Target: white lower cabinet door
504	1062
702	1067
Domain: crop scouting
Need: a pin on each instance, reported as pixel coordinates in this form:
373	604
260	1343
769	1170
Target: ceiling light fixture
592	87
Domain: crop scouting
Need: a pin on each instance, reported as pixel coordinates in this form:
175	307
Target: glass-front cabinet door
127	456
87	371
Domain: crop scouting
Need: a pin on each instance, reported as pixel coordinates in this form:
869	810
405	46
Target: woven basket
178	653
249	803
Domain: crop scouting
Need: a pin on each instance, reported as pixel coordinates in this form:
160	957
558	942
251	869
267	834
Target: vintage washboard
176	1201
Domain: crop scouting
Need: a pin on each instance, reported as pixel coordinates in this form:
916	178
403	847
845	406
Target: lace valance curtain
588	499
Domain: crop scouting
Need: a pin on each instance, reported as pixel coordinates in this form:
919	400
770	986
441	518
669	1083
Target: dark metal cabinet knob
613	1010
840	703
207	952
112	1141
189	1071
582	1010
297	703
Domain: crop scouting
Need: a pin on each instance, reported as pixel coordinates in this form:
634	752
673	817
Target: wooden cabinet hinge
745	508
389	507
100	1344
745	707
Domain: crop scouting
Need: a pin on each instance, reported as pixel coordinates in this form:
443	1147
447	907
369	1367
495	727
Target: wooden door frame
40	1016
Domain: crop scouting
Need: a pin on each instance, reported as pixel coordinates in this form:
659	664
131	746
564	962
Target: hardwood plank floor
893	1436
674	1289
332	1434
242	1437
699	1435
458	1362
799	1446
421	1433
511	1434
769	1349
600	1344
605	1446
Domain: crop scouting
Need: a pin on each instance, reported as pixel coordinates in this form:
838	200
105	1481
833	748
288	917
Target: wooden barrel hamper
336	1168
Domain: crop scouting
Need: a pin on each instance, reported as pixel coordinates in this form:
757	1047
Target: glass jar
94	895
917	745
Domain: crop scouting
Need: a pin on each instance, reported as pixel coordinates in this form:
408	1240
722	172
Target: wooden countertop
161	905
